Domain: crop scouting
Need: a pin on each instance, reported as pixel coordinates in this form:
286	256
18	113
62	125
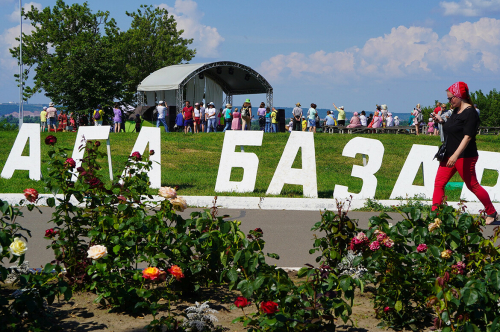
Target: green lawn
191	162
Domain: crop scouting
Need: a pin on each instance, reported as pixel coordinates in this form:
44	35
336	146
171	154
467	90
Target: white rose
18	247
97	251
179	204
167	192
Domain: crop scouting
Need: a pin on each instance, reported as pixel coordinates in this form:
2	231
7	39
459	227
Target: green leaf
246	288
435	251
495	279
225	227
51	202
116	249
48	268
232	274
258	282
398	306
470	296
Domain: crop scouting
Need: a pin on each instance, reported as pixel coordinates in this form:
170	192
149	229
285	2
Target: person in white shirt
362	118
162	112
210	113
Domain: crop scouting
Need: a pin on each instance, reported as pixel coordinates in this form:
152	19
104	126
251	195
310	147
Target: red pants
466	167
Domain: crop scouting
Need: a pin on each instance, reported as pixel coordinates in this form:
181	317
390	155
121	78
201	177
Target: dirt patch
82	314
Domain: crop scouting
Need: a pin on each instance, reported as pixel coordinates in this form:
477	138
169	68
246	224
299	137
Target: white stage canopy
192	82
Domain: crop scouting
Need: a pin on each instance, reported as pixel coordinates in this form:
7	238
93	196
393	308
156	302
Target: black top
459	125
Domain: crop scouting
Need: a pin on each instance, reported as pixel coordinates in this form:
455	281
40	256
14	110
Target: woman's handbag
441	152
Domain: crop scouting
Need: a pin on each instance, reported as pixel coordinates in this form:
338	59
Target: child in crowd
430	130
268	120
179	121
274	120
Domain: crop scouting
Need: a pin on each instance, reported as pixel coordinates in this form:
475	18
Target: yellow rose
438	221
446	254
97	251
433	226
179	204
18	247
167	192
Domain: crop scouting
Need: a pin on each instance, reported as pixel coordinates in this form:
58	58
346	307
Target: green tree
489	106
81	59
72	55
151	43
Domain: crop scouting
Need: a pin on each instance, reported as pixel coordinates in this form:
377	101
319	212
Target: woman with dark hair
261	112
311	117
461	151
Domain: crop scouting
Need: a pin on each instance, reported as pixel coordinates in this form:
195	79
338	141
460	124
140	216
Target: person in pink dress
355	121
430	126
376	120
236	124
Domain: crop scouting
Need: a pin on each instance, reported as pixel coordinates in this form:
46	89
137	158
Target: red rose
269	307
94	182
97	143
387	309
50	140
259	230
241	302
137	156
80	169
151	152
70	162
31	195
50	232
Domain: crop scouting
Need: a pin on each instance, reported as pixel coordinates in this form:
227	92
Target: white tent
202	81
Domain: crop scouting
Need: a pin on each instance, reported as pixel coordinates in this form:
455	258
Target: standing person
43	119
445	115
197	118
437	110
461	150
210	112
138	123
311	117
477	109
203	119
117	117
52	116
227	117
274	120
179	122
417	113
261	113
297	117
430	126
268	120
362	119
246	115
341	116
162	113
236	123
383	114
62	120
97	115
72	121
187	113
124	118
396	121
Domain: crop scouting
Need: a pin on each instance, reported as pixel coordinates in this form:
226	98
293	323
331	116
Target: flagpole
21	111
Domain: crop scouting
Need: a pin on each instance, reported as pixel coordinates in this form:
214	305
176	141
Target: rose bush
439	263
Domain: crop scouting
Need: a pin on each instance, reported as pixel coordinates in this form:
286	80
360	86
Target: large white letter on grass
153	137
306	176
16	160
375	151
419	155
230	159
486	160
91	133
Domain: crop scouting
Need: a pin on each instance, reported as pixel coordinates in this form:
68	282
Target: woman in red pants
461	150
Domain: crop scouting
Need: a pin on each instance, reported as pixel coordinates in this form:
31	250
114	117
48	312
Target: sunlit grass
192	161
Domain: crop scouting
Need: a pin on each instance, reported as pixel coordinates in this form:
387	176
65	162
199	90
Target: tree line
80	59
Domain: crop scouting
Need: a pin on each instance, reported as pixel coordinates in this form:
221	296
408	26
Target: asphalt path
287	233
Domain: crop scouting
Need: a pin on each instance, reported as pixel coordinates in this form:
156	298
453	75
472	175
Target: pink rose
388	242
387	309
70	163
374	246
167	192
136	155
422	247
31	195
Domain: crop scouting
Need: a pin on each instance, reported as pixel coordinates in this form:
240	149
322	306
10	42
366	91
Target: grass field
191	162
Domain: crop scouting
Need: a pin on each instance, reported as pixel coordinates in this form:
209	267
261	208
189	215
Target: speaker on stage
281	120
172	114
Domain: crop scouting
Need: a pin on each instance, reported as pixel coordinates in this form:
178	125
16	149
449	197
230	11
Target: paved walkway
287	233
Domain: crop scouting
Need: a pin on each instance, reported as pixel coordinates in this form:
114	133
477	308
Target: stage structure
203	81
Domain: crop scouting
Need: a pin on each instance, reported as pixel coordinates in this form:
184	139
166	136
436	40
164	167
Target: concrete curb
263	203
